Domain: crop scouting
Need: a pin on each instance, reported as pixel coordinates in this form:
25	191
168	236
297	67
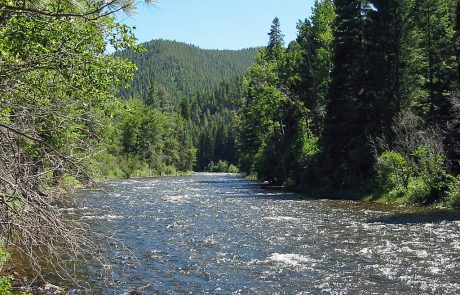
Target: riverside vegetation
62	120
365	101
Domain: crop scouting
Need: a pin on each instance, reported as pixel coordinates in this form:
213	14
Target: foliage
56	88
221	166
6	288
4	256
418	191
366	92
5	281
216	127
453	194
279	126
317	112
276	41
417	174
5	285
183	70
197	90
148	141
392	170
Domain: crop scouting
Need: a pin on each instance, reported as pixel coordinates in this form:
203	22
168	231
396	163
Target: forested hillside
156	137
179	113
183	69
365	100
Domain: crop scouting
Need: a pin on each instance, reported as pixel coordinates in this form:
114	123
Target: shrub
413	166
392	171
6	288
418	191
5	285
453	193
233	169
418	178
4	257
5	281
222	166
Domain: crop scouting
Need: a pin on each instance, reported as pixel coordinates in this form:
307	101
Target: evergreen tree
457	28
159	98
345	137
386	37
276	39
314	68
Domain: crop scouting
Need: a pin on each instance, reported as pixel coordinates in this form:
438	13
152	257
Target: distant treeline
179	115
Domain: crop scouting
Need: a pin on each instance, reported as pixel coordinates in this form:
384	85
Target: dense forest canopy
183	69
366	99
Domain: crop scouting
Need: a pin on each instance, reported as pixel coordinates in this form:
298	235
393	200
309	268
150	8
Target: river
222	234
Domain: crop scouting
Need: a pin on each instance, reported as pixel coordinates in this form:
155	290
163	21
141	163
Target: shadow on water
430	216
212	181
268	197
263	193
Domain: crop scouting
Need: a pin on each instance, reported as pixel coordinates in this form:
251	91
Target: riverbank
15	283
364	195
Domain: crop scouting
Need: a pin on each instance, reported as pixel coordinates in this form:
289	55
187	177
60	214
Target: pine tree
384	36
345	137
276	39
457	28
314	68
430	58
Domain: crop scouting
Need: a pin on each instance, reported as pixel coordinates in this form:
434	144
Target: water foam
281	218
289	259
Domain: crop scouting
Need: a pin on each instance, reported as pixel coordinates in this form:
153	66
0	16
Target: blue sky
217	24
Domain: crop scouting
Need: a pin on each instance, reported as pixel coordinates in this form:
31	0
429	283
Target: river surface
222	234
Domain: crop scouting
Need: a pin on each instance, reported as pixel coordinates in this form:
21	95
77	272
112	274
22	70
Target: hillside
184	69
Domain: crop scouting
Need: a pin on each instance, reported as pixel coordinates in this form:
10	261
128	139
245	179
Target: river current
222	234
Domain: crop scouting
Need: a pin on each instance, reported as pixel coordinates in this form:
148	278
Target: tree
56	84
315	66
276	39
457	28
159	98
345	137
385	35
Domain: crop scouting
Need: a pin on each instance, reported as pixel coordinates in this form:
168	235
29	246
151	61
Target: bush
418	179
392	171
233	169
418	191
5	285
222	166
6	288
413	167
430	165
453	193
4	257
5	281
106	166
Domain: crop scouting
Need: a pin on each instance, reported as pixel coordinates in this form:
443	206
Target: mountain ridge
183	69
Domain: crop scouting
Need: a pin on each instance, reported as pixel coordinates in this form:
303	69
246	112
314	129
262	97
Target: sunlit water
222	234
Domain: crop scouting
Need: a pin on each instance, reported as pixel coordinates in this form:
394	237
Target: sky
217	24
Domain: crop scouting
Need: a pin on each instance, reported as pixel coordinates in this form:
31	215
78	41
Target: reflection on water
221	234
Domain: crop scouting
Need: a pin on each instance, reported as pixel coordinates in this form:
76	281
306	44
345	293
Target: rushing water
222	234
